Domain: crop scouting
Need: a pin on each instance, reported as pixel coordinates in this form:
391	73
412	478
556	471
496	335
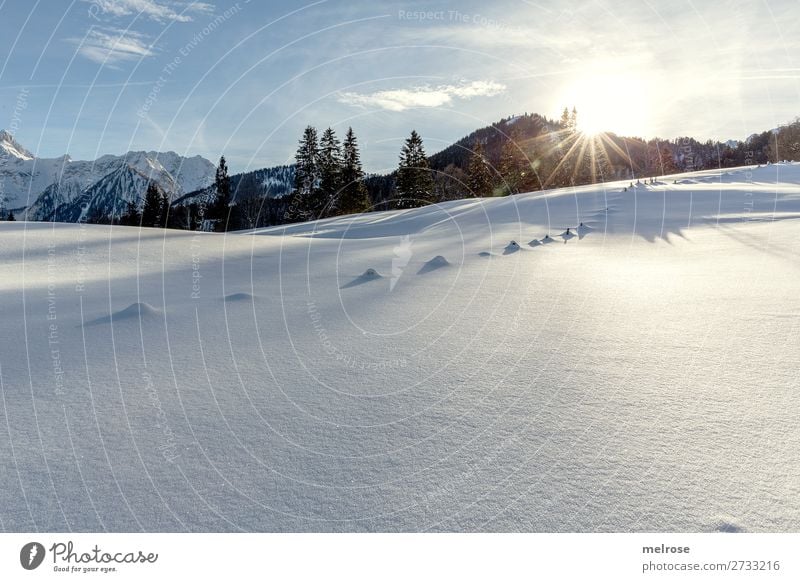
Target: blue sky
243	78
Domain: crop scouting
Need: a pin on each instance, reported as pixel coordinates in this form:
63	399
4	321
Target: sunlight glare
609	103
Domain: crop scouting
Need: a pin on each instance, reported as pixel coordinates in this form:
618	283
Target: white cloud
108	45
158	10
402	99
112	45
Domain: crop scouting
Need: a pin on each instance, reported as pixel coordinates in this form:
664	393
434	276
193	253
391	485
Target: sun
610	102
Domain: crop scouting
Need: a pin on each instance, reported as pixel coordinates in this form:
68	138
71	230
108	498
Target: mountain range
64	189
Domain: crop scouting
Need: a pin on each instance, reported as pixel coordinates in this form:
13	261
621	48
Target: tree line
329	178
157	210
519	154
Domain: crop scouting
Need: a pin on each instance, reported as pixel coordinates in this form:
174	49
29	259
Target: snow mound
583	230
436	262
484	254
567	234
535	243
237	297
727	526
367	276
547	239
511	247
133	311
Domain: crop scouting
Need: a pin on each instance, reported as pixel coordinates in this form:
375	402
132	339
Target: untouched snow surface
640	374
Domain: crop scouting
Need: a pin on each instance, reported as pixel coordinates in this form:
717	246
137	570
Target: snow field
376	373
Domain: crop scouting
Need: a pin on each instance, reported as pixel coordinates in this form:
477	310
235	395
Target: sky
243	78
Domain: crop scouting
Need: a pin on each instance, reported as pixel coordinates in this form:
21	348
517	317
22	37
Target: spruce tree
151	212
565	119
479	178
330	173
414	178
163	214
222	202
667	163
306	177
131	217
10	216
353	195
510	166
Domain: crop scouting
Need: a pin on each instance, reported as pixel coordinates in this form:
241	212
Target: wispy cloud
402	99
110	45
158	10
106	43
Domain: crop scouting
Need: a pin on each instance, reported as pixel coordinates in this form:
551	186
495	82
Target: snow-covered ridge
51	187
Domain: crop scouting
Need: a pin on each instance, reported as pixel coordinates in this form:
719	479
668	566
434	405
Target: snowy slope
638	373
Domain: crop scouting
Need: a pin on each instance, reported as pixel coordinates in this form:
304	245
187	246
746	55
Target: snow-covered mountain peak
48	187
10	147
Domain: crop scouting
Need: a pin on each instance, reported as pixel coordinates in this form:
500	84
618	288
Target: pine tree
565	119
11	217
414	179
95	215
510	166
163	210
151	212
479	179
451	184
563	158
222	202
306	177
353	196
666	162
131	216
569	120
603	170
330	173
